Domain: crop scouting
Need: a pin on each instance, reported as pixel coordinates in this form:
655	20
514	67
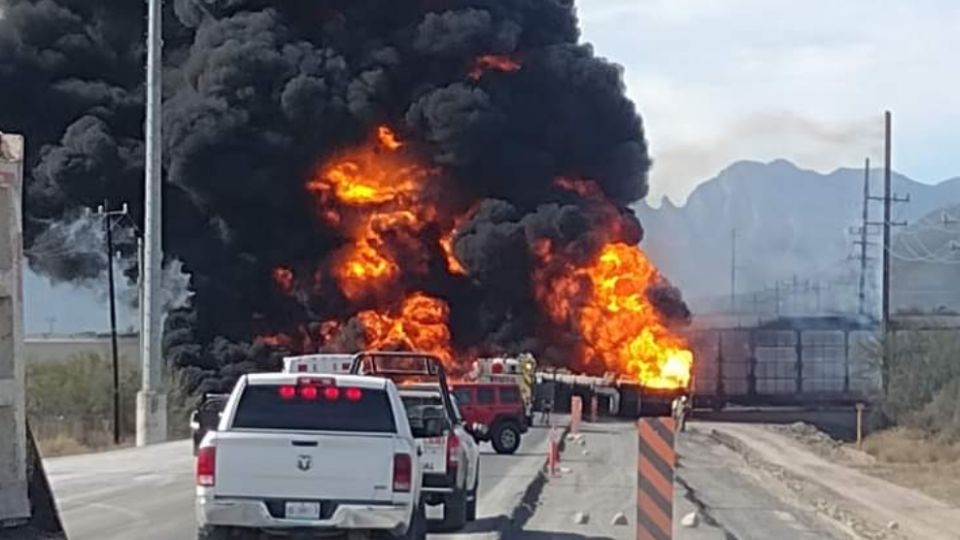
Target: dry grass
70	405
911	446
64	444
909	458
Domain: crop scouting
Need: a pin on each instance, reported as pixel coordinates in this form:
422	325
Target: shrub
922	381
70	403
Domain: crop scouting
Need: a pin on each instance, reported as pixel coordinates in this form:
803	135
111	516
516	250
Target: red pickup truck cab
499	406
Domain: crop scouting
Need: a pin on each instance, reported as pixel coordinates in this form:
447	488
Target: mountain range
794	233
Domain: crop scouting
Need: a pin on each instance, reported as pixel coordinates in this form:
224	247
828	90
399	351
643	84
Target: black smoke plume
258	92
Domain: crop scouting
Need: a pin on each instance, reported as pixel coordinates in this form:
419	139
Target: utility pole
862	293
888	121
151	400
733	270
778	299
888	199
107	215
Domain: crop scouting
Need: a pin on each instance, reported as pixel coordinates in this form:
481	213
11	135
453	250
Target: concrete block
14	504
690	520
581	518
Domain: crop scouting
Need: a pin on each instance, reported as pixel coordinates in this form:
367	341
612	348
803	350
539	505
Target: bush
70	403
922	382
74	399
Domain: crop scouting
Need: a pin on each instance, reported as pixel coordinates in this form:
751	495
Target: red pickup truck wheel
506	438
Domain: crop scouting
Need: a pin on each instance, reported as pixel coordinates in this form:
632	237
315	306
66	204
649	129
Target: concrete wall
14	503
46	349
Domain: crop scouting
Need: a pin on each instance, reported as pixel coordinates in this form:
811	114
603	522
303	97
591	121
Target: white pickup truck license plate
303	510
434	459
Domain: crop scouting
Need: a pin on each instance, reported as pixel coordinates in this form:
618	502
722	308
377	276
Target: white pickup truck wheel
455	511
418	527
226	533
472	498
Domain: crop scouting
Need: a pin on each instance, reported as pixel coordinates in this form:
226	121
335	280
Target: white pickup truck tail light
314	391
206	466
453	453
402	472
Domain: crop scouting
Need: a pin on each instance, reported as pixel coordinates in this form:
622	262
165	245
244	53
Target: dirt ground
904	457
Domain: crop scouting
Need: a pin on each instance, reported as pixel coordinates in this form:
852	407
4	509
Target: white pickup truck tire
418	527
472	498
455	511
210	532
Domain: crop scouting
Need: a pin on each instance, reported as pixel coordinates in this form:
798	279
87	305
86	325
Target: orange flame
276	340
370	175
283	277
374	195
584	188
380	188
420	324
493	62
388	138
607	303
454	266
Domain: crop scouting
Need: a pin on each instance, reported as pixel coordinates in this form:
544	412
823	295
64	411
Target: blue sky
722	80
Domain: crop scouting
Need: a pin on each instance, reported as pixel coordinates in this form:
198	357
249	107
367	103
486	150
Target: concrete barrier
27	509
14	504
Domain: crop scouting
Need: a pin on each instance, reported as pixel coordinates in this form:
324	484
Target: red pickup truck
499	406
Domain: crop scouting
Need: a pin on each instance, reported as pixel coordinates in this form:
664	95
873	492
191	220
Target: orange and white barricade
576	413
655	468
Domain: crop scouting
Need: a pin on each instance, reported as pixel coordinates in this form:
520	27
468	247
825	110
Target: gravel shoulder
831	480
902	456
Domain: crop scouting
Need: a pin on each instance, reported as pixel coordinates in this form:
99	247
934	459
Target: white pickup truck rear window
267	407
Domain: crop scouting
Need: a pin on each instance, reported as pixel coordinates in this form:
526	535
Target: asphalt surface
148	493
733	500
597	482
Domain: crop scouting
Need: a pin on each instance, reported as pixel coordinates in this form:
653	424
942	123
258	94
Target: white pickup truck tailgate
434	458
336	466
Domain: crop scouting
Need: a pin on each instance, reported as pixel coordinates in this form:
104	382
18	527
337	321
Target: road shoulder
871	507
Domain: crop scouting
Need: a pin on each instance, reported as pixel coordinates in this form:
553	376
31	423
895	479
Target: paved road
733	502
147	493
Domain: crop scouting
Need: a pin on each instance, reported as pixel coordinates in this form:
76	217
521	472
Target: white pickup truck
311	455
